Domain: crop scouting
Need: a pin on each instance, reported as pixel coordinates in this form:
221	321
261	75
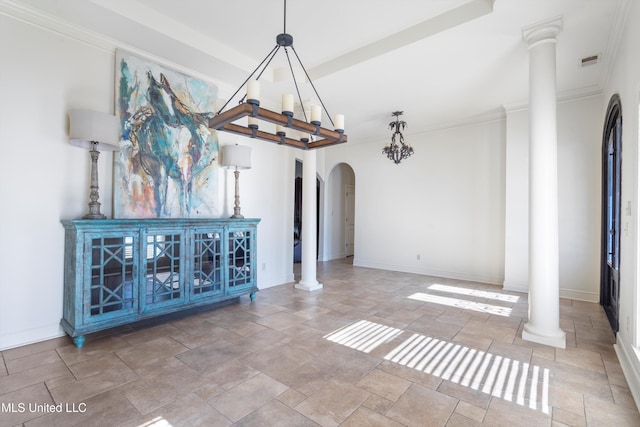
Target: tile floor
373	348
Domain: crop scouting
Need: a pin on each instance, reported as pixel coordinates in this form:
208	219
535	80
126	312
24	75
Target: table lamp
238	157
95	131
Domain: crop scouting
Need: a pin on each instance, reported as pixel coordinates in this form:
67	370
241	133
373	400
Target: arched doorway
339	226
611	203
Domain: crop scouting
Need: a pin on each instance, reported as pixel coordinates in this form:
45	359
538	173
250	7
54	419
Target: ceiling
442	62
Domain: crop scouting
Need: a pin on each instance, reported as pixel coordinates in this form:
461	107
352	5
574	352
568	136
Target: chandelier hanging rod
272	54
223	120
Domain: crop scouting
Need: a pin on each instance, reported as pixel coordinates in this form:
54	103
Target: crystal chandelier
311	133
393	151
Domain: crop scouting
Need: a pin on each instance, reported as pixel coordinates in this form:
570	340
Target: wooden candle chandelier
311	132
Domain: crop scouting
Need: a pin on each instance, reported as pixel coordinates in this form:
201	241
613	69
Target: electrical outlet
418	257
264	266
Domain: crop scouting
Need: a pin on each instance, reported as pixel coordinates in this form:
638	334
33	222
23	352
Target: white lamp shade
236	156
86	126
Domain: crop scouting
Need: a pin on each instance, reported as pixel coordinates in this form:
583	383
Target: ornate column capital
545	31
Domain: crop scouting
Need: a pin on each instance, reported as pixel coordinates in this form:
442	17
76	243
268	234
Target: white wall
444	204
43	179
579	191
267	192
624	79
516	235
579	195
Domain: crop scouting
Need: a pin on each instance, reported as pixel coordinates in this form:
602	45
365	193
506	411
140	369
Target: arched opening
339	204
611	203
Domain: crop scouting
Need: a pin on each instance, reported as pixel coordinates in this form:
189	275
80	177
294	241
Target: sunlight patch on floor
363	335
475	293
461	303
514	381
156	422
502	377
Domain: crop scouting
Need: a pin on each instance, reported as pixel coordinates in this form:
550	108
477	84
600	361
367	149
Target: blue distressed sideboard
119	271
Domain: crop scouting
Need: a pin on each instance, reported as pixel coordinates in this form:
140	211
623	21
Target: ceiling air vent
590	60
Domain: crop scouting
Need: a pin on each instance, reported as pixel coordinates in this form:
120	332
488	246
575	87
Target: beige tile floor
372	348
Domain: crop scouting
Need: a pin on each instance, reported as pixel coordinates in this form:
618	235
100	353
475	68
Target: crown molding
48	22
566	96
613	42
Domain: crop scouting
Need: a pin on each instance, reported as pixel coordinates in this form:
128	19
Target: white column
308	281
544	289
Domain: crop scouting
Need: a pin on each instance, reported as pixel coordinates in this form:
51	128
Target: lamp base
94	205
236	207
94	216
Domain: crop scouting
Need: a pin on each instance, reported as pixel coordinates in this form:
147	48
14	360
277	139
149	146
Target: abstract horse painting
168	158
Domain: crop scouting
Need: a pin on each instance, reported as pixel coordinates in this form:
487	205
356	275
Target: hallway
372	347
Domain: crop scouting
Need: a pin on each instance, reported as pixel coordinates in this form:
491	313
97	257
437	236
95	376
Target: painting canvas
168	158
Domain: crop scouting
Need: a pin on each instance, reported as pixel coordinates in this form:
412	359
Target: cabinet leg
79	341
252	296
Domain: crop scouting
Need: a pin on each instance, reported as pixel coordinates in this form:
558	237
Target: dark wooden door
611	203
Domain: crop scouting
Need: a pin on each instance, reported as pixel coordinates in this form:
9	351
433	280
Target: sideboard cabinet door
206	263
110	267
161	252
241	259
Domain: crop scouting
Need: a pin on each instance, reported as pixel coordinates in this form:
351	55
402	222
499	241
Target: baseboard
515	286
579	295
289	278
564	293
630	364
30	336
331	257
430	272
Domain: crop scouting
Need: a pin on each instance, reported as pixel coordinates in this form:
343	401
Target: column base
308	286
556	338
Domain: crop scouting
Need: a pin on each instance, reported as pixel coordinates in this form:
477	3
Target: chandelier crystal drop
397	150
310	132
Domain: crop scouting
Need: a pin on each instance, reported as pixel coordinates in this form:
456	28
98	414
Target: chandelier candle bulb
287	104
304	137
253	92
253	122
316	114
338	122
281	130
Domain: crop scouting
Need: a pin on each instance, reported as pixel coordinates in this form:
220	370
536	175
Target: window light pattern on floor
156	422
508	379
461	303
363	335
474	293
502	377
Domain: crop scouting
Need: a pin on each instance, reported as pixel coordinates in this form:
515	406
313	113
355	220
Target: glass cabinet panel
207	263
162	269
112	271
239	258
